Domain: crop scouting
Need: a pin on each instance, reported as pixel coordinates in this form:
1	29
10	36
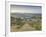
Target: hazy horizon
24	14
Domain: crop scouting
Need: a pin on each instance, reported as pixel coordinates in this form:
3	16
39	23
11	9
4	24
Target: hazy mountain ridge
25	14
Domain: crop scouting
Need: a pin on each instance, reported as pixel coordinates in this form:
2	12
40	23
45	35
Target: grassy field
19	24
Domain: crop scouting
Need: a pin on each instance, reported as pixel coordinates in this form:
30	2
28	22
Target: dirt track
25	27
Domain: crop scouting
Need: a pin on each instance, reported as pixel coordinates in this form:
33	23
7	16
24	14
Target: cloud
25	9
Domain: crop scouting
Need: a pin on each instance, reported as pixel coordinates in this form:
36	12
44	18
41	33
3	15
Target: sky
25	9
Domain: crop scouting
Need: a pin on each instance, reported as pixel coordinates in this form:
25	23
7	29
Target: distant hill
25	14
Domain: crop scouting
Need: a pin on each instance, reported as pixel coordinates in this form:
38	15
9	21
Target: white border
11	34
